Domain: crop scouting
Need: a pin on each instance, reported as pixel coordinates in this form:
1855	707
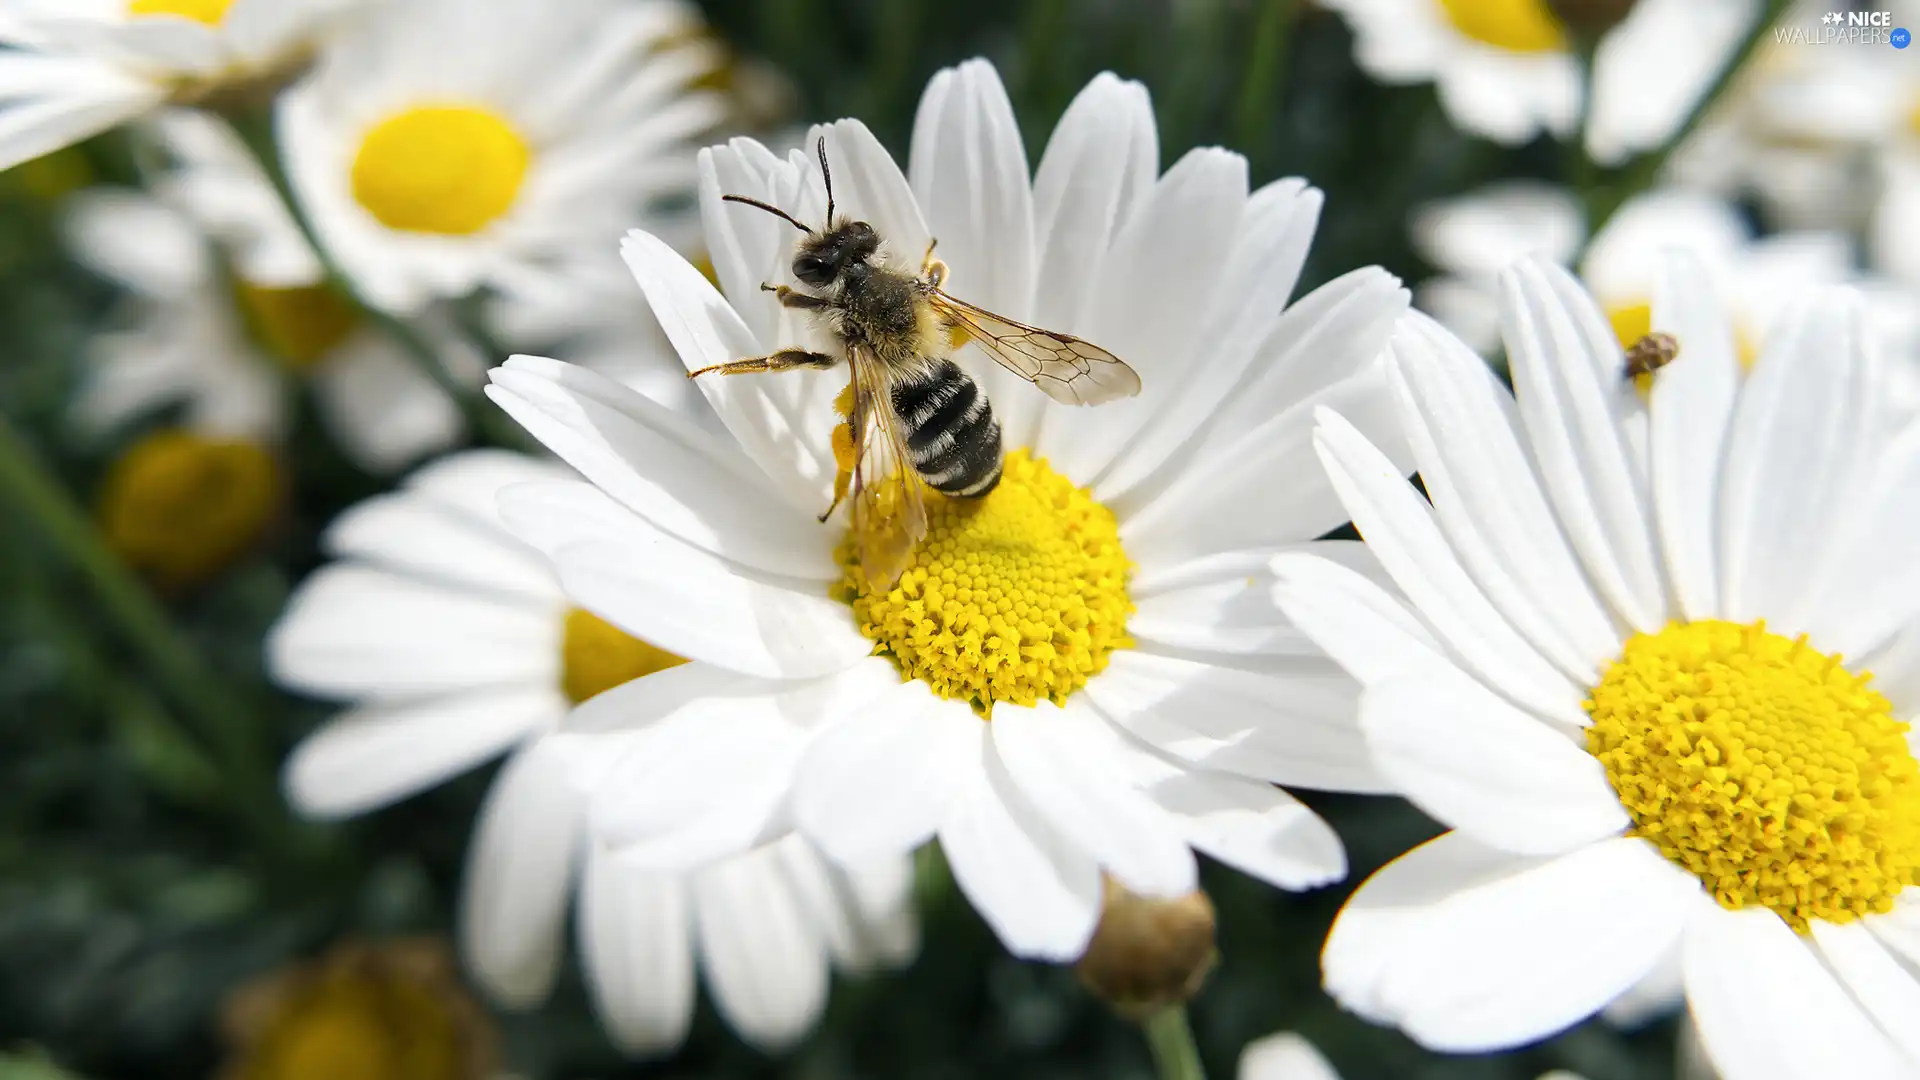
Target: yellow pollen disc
1763	767
596	656
1513	25
203	11
1017	596
450	169
180	506
299	326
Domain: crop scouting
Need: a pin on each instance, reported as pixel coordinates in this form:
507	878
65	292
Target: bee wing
1065	368
888	496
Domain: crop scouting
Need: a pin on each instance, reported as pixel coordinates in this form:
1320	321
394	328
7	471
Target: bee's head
823	257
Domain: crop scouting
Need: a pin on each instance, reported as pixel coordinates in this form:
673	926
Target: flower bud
1149	954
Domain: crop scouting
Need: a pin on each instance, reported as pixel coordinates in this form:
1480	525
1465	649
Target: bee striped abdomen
952	436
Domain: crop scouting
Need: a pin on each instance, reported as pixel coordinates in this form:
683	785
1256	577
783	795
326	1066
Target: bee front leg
794	298
784	360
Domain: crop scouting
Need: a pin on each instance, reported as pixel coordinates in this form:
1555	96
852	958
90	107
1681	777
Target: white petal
1886	990
706	783
705	330
1487	499
384	411
1480	765
1062	774
1657	996
1098	166
1692	401
969	173
31	129
880	781
1222	604
1875	591
520	872
1366	628
663	467
1795	455
353	630
1284	1056
1254	828
1467	949
759	954
869	186
1295	728
374	755
859	939
1041	896
1765	1007
687	601
636	951
136	241
1566	373
1260	491
418	538
1162	268
1399	526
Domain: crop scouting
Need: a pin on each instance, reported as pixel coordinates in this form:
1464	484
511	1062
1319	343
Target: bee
1651	353
914	419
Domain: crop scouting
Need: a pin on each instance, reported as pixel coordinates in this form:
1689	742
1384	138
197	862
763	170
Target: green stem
1604	201
1259	94
1175	1057
491	424
225	725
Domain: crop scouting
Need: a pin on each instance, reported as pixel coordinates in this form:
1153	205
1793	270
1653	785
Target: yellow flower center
596	656
179	506
1763	767
1514	25
299	325
203	11
1633	321
1016	596
451	169
353	1023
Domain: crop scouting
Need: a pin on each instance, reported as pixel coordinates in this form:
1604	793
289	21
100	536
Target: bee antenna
826	176
774	210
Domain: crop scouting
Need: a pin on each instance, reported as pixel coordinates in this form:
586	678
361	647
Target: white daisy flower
71	69
1472	238
1098	606
223	292
1503	69
1652	672
455	645
1287	1056
444	145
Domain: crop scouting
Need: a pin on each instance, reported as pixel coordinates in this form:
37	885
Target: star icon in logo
1830	18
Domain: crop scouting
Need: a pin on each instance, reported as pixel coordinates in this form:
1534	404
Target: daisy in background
72	69
227	302
1113	694
1654	669
455	645
443	146
1504	69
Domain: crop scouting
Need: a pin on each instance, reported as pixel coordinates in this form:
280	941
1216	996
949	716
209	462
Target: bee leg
794	298
932	270
784	360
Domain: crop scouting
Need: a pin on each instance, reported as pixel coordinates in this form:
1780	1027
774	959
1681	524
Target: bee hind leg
932	270
784	360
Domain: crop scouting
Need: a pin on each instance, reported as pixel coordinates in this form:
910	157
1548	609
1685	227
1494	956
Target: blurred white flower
70	69
1473	238
442	145
1503	69
1136	714
1654	667
456	645
1287	1056
224	291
